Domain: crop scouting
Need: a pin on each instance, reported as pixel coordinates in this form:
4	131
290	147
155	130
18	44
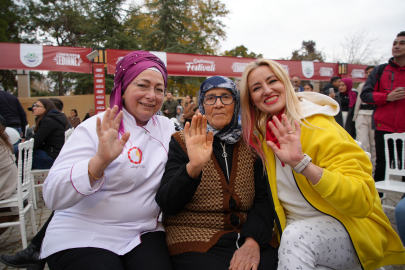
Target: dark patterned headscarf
232	132
127	69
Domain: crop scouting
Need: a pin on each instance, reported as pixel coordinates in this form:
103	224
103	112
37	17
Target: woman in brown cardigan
73	119
189	109
214	194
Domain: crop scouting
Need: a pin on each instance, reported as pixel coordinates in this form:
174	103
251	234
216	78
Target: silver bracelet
303	164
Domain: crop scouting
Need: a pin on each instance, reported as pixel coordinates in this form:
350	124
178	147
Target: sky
276	28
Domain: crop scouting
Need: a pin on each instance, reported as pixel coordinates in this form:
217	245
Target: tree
359	47
61	22
206	21
85	23
308	52
184	26
171	31
242	51
12	22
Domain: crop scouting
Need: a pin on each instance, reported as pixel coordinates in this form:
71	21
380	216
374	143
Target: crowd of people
287	187
180	111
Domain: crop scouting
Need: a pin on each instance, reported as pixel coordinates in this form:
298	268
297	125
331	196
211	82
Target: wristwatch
303	164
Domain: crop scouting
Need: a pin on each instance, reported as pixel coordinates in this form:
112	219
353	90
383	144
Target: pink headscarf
352	95
127	69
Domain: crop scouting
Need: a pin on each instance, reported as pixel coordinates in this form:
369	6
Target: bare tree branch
359	47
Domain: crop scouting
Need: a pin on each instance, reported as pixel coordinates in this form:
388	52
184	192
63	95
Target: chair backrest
395	165
24	165
68	133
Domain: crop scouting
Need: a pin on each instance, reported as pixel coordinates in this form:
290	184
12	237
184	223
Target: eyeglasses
225	99
38	106
159	92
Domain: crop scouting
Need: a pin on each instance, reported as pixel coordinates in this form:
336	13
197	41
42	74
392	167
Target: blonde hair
253	120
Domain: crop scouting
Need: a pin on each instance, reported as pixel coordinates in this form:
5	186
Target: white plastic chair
24	192
39	175
392	167
68	133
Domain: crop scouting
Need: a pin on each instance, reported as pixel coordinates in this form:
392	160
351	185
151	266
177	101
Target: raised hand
290	151
198	143
109	146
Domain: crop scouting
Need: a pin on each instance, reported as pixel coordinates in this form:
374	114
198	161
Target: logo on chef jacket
135	155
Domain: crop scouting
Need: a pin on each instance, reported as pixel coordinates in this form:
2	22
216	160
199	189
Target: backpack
379	73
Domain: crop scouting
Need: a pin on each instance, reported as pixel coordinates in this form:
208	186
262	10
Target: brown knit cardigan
207	216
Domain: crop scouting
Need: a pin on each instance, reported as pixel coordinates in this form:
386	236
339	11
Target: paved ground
10	241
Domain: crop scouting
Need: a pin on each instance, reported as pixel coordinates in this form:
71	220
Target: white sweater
118	208
294	204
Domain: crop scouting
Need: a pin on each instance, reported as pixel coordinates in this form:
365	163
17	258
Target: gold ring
290	132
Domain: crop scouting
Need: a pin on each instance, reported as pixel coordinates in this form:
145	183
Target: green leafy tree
242	51
62	22
184	26
206	22
12	22
171	31
308	52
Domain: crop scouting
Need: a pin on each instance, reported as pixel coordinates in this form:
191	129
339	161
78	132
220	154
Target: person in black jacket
334	84
13	112
214	193
49	134
89	114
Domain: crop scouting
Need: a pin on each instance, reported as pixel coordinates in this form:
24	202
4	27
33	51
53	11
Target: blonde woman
327	208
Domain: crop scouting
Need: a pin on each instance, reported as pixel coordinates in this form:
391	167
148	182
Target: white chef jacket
119	207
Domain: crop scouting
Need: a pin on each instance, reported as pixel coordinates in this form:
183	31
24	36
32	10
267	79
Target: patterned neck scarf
232	132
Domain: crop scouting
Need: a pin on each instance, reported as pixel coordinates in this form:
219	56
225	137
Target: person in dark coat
89	114
13	112
49	134
334	85
348	97
213	194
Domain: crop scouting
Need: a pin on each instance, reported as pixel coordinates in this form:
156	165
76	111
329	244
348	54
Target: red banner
99	88
113	56
356	72
38	57
206	65
72	59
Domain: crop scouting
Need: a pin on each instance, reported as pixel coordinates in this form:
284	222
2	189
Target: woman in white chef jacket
104	181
